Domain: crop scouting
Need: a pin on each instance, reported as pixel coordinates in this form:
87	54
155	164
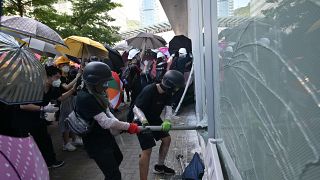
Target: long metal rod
159	128
185	90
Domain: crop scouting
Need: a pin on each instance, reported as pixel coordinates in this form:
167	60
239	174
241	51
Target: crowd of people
153	82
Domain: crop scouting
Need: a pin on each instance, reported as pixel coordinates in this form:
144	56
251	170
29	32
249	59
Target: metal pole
176	128
185	90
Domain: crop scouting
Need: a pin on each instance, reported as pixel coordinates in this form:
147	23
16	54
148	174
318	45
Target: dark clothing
24	122
151	103
147	138
181	64
99	143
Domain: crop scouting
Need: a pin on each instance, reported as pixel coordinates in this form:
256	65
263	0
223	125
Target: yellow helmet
61	60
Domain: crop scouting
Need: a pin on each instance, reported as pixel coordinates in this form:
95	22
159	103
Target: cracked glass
270	89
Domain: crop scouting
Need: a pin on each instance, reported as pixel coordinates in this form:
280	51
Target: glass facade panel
270	90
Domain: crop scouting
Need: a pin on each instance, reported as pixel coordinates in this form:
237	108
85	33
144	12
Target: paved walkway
80	167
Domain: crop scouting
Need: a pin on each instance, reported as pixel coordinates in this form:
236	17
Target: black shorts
148	138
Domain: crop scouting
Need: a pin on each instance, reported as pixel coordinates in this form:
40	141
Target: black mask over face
169	91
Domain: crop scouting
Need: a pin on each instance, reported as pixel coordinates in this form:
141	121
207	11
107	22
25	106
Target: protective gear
56	83
168	114
133	128
50	108
172	79
96	73
65	69
133	53
137	111
61	60
166	125
160	55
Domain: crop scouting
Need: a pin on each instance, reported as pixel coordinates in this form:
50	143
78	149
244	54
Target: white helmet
132	53
160	55
182	51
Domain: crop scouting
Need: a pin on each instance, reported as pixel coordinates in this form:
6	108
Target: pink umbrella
165	51
20	158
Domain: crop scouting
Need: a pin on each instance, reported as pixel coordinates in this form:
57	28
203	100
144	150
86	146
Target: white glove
50	108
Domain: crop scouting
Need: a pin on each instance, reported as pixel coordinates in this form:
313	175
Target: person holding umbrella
148	108
93	106
66	106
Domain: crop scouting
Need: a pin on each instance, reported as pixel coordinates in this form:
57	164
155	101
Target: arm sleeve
109	114
110	123
137	111
168	114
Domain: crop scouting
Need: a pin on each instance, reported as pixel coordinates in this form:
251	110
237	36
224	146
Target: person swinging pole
147	108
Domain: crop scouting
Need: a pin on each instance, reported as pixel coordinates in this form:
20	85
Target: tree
88	18
24	7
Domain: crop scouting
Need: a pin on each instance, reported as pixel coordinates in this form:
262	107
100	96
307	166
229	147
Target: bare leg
144	163
65	137
163	151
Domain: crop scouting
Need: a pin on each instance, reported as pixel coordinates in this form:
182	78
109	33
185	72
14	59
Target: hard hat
173	79
160	55
61	60
132	53
96	73
182	51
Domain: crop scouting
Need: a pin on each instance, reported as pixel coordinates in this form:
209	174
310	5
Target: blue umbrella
195	169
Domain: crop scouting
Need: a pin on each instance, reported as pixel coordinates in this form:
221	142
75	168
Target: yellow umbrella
82	47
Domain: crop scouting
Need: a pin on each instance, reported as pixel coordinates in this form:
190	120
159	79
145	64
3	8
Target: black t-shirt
88	107
151	102
24	121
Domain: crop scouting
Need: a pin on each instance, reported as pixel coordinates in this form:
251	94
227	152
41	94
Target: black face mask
169	91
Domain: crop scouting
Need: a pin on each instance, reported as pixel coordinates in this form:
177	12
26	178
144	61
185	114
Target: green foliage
23	7
242	11
88	18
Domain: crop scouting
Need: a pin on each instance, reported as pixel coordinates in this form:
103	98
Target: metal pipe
159	128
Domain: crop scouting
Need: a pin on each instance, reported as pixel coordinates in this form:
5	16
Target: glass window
270	88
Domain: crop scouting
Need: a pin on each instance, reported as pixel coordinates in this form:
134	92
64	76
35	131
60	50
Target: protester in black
148	107
31	117
92	105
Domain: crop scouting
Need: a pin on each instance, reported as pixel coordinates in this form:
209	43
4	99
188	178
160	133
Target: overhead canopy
177	13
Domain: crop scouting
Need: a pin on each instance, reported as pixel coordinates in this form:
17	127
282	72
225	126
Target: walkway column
211	63
195	34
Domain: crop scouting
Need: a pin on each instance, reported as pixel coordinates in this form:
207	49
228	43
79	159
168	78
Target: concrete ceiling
177	13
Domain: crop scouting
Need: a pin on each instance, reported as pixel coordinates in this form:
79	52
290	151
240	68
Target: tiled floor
80	167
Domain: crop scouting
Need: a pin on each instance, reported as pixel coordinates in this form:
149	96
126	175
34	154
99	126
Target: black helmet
96	72
173	79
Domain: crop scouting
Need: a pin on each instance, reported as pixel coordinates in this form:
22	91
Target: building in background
151	13
225	8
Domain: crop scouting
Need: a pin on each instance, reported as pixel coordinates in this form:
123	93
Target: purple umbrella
20	158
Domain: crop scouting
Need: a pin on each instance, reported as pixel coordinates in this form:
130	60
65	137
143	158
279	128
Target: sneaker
78	142
69	147
56	164
162	169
